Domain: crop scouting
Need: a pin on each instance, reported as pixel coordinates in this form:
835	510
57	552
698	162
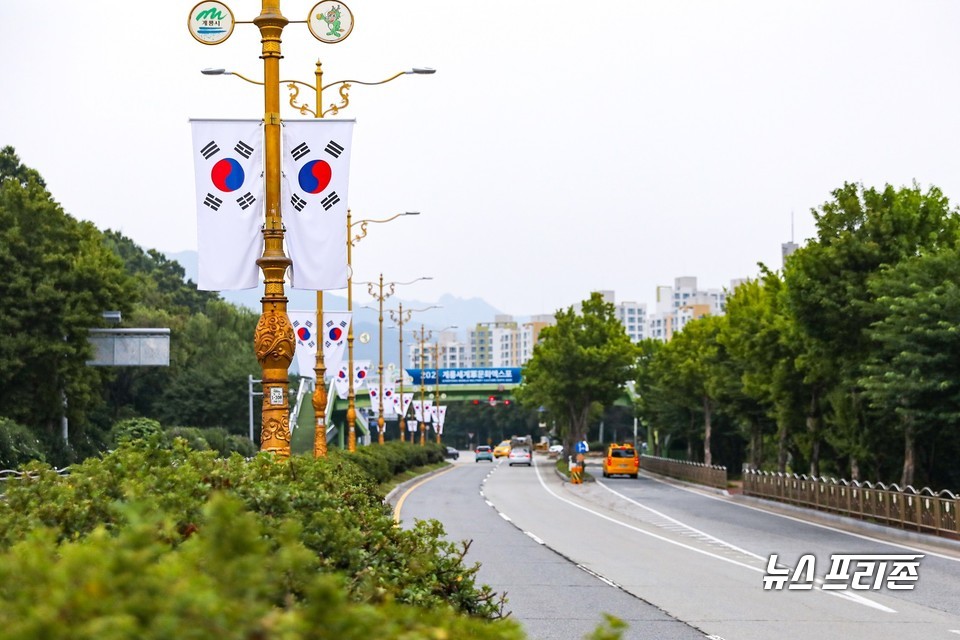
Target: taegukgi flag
228	168
305	331
335	327
361	370
342	382
316	173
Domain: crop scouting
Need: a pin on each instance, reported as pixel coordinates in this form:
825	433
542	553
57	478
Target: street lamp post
380	297
400	317
436	393
270	349
351	241
425	336
273	337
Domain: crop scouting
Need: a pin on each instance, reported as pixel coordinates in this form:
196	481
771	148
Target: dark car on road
452	453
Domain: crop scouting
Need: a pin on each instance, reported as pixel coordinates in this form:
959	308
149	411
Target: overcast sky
561	147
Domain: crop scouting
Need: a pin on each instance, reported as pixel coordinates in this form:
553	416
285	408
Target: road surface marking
396	509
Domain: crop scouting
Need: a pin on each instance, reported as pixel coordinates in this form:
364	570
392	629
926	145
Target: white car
556	448
520	456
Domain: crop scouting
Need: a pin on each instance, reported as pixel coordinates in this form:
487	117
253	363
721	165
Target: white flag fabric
316	176
389	393
305	331
434	413
417	411
228	169
342	383
427	412
375	400
361	371
335	327
441	417
402	403
411	425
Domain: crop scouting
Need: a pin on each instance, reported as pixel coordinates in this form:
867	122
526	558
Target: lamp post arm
344	91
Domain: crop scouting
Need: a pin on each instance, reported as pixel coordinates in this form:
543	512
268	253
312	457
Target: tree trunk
756	444
782	446
707	428
813	426
854	468
909	453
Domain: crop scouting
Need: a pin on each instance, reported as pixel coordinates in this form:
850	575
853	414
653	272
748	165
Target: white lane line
535	538
489	504
812	524
839	594
504	516
600	577
686	527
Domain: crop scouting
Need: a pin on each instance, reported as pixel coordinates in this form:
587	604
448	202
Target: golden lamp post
319	399
380	295
425	337
436	393
351	241
400	316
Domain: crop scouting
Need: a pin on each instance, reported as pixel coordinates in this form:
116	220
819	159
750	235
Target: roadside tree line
59	275
846	362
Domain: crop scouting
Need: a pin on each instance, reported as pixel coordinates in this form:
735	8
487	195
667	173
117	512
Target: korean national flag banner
411	426
342	383
389	394
316	172
417	411
335	326
361	371
228	167
305	331
440	419
406	401
427	410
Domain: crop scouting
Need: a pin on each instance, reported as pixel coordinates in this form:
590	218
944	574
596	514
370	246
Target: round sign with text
211	22
330	21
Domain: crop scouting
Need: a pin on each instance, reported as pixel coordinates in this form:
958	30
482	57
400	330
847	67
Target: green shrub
18	445
194	437
333	503
234	578
134	429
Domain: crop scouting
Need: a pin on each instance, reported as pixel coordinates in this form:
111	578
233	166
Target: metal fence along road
710	475
924	510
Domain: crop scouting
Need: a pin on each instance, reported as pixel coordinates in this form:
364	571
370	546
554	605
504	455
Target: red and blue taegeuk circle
342	374
361	374
315	176
335	334
227	175
303	334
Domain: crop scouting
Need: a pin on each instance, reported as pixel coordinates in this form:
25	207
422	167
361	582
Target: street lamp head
411	213
214	72
426	71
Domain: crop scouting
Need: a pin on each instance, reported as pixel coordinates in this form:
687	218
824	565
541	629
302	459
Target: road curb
407	483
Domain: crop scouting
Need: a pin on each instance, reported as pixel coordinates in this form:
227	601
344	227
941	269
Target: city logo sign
211	22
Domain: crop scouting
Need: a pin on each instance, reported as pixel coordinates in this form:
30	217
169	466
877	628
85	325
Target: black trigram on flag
298	202
334	149
212	201
243	149
300	150
209	150
330	200
246	200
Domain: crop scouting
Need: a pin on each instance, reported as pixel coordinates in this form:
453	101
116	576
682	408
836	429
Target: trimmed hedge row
158	542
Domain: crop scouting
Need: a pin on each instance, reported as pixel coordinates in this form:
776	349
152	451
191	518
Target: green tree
58	279
858	231
914	371
584	359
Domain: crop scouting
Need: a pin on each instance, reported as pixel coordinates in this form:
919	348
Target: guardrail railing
710	475
924	510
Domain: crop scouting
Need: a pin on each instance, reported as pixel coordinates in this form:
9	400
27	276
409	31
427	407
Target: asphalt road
672	561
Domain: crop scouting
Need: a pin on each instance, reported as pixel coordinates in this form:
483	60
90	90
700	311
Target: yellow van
621	459
502	450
